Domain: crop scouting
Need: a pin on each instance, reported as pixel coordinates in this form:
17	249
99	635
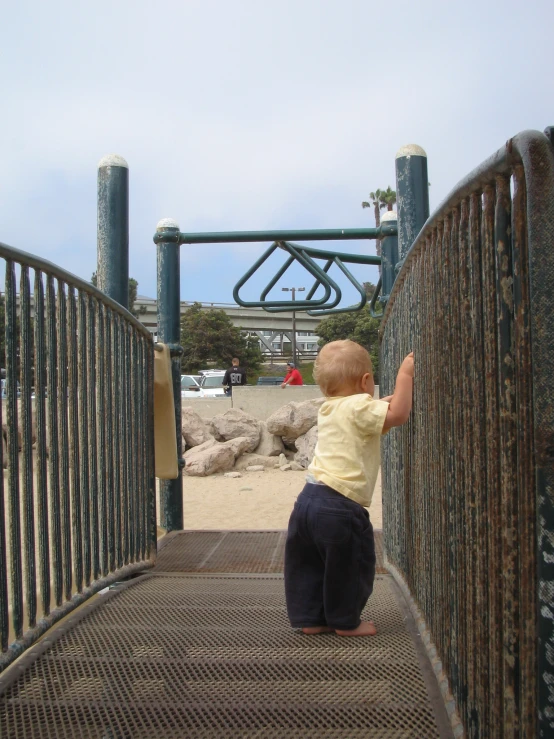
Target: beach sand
257	500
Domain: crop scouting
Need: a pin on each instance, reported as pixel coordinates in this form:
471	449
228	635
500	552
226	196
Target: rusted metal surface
468	482
206	656
232	552
70	521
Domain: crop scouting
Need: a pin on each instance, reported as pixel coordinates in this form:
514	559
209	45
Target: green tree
380	199
388	198
357	326
133	287
209	337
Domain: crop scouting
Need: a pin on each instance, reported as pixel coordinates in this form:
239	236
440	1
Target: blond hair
340	365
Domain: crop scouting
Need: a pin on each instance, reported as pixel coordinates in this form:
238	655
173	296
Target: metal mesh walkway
213	655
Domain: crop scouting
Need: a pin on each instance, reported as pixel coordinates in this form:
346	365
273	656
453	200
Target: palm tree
377	202
387	198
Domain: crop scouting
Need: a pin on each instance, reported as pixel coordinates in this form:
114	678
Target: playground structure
467	484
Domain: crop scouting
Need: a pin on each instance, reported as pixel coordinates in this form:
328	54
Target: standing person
330	551
235	375
293	376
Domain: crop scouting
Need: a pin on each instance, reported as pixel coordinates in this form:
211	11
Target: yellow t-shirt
348	453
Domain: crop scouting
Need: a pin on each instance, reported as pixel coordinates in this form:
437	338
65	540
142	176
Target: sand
257	500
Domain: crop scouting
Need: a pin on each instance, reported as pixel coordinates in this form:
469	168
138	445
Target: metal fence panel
468	482
77	502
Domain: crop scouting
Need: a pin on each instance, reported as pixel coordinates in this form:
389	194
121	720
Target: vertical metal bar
42	448
62	411
149	452
508	458
525	459
125	445
26	361
113	228
116	450
131	498
13	444
171	491
389	255
133	433
109	423
480	720
141	399
53	447
101	422
91	420
74	343
83	371
4	615
412	195
492	463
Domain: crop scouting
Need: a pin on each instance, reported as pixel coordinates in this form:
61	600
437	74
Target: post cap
167	223
389	215
113	160
410	150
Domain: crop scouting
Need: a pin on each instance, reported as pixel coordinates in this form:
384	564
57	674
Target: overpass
274	330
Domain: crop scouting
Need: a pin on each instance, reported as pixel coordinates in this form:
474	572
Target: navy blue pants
329	560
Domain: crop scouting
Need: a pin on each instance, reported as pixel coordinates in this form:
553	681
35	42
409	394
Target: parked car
270	380
190	386
212	384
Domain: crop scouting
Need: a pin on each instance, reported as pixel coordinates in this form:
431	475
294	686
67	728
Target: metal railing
77	505
468	482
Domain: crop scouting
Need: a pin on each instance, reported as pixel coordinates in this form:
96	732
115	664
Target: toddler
330	552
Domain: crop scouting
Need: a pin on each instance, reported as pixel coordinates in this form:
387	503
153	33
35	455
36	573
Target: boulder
294	419
248	460
194	429
255	468
234	423
270	445
207	458
306	447
238	445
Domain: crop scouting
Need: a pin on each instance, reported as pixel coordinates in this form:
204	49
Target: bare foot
366	628
316	629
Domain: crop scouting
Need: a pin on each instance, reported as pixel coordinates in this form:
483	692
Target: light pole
293	290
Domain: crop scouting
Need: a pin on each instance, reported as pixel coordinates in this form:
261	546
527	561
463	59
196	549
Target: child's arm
400	403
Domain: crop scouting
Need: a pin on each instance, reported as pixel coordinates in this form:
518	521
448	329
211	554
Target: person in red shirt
293	376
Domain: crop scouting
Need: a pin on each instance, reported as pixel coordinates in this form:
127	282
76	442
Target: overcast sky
250	115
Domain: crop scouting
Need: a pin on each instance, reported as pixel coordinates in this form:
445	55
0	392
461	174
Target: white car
211	384
190	386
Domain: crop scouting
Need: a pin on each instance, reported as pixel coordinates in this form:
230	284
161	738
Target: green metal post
412	195
169	332
113	228
389	256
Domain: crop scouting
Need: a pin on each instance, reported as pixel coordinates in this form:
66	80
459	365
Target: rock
294	419
277	466
241	489
306	447
194	429
207	458
234	423
296	467
282	459
270	445
285	467
247	460
238	445
255	468
232	474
